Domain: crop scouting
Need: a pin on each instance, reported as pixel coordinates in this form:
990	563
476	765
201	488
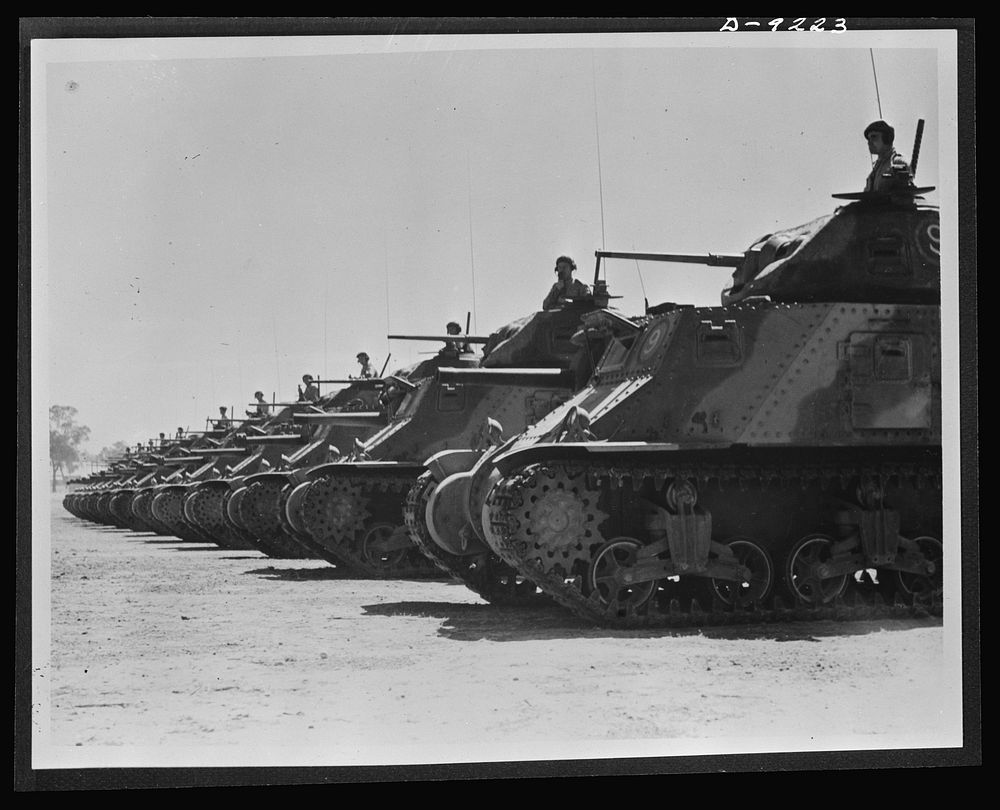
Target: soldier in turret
454	346
890	172
566	288
311	391
223	422
367	372
262	409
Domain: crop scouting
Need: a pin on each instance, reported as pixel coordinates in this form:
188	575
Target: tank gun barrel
445	338
345	382
301	404
710	259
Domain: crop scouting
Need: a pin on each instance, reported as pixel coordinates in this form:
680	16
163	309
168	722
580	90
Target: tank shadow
475	622
170	541
479	622
328	572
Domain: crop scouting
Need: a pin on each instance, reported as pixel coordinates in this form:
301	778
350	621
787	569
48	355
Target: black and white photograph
456	399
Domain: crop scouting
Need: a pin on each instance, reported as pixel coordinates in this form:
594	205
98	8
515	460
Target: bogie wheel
805	575
374	537
924	584
606	574
757	588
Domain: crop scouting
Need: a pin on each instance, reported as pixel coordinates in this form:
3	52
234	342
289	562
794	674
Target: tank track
205	508
860	602
485	574
168	508
262	514
142	507
360	504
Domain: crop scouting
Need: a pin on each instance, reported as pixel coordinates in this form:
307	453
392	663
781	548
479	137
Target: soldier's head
222	410
258	395
307	378
880	136
565	267
453	328
362	357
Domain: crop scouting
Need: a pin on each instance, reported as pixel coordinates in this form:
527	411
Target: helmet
566	259
888	133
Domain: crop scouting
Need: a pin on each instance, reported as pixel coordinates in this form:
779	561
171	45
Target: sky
216	216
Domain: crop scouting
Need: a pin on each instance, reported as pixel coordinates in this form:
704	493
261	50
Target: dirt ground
166	653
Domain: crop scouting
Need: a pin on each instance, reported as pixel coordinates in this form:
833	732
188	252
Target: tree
114	452
65	438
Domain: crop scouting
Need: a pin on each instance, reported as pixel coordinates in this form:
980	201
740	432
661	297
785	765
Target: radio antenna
472	251
877	98
597	131
385	254
642	284
277	362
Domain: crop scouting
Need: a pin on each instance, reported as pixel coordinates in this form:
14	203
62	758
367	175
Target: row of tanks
776	456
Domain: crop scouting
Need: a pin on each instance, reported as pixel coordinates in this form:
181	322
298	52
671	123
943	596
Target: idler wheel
805	571
757	587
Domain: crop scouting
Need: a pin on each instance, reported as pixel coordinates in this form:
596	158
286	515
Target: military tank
210	453
239	504
776	456
103	497
82	500
351	511
353	413
436	509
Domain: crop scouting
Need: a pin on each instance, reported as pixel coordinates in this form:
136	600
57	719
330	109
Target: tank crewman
311	391
180	433
890	172
366	372
454	346
567	287
223	422
390	398
262	409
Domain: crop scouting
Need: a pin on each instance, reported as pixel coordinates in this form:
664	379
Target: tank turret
882	250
